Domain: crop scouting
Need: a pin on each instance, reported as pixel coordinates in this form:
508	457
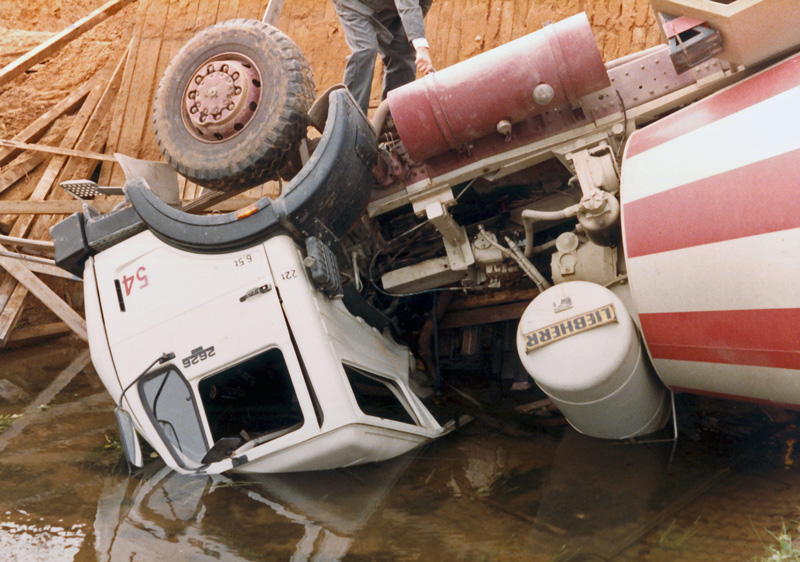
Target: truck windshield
169	402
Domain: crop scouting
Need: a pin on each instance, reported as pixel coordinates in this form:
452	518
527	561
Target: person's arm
412	16
423	60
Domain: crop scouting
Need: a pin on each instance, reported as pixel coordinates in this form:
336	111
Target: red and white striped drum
711	224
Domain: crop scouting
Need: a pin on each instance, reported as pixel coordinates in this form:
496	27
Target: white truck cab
267	373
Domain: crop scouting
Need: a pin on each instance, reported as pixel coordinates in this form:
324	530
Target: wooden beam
13	308
45	184
89	138
40	53
14	298
209	199
19	171
48	269
33	334
38	128
273	12
474	317
57	150
6	288
109	171
45	294
39	246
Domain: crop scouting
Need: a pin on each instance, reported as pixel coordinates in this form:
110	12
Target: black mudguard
325	199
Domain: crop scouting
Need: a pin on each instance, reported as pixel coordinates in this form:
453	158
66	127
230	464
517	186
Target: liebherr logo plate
570	327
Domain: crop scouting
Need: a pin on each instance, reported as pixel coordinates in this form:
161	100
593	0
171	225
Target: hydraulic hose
529	216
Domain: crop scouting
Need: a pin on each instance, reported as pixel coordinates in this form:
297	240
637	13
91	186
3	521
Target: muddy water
497	490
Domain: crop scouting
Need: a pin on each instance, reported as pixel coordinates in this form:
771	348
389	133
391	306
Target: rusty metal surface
450	108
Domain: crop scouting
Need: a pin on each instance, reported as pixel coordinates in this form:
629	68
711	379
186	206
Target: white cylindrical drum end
581	347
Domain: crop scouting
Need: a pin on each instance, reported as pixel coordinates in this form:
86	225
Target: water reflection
494	491
595	485
310	516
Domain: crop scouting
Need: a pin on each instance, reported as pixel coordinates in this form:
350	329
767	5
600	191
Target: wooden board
45	294
46	49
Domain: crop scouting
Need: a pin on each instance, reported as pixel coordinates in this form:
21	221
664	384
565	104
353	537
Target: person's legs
398	55
361	38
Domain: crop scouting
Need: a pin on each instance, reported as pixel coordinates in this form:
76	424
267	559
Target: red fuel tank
447	109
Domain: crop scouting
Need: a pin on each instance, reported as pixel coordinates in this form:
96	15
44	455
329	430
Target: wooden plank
82	168
45	294
6	288
109	171
40	53
15	297
207	13
13	308
138	80
40	247
37	129
181	26
273	12
500	313
209	200
33	334
230	10
87	141
520	16
45	184
52	271
138	105
57	150
15	173
40	267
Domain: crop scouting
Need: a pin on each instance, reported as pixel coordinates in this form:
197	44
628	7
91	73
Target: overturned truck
613	232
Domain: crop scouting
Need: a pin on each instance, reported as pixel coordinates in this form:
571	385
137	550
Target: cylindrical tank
511	83
580	345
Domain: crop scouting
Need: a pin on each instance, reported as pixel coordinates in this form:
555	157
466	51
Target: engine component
322	266
580	345
510	83
599	217
576	261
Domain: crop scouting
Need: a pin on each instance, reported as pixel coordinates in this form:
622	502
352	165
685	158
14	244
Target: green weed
6	420
783	550
675	540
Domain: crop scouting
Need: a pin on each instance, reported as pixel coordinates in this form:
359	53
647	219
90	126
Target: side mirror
129	438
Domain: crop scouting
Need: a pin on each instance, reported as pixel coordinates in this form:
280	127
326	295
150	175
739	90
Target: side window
252	399
378	397
170	404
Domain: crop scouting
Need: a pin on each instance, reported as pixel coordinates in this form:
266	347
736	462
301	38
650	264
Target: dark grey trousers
368	33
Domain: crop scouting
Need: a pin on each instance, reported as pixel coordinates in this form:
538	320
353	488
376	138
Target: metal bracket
454	236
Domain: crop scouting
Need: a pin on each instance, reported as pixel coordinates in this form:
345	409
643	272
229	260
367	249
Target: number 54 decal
128	281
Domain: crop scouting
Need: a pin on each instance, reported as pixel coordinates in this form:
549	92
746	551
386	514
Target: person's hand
423	61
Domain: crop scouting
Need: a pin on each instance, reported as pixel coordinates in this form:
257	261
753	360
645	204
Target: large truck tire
232	104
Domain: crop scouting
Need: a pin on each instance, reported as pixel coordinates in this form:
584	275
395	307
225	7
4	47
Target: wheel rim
221	98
